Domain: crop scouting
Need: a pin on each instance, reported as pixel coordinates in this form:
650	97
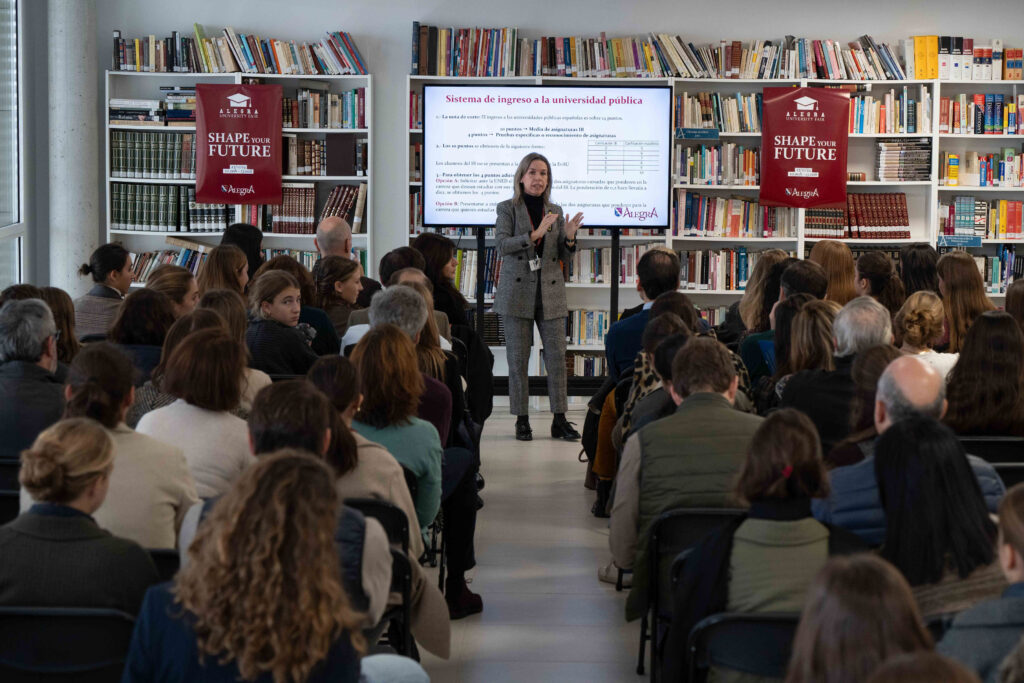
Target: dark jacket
31	399
370	287
449	304
277	349
164	648
326	342
623	341
731	330
56	556
752	351
436	407
249	239
479	372
653	406
144	357
983	635
703	582
825	396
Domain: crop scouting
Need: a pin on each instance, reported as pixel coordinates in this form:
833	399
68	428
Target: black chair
433	554
284	378
167	562
390	516
10	491
63	644
1005	453
756	644
671	533
938	624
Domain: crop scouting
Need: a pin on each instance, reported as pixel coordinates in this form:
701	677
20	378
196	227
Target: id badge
534	264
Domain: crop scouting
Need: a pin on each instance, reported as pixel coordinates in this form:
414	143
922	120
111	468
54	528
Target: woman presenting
532	236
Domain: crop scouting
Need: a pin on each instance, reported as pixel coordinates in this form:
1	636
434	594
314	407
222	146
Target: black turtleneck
535	208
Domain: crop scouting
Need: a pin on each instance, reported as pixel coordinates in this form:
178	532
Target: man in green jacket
688	459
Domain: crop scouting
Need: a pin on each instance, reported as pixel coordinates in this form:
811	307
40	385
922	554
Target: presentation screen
609	148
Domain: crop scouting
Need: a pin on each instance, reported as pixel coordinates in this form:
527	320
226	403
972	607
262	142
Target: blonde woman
919	324
225	268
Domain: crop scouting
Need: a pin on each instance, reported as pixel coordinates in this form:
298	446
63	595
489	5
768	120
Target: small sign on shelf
959	241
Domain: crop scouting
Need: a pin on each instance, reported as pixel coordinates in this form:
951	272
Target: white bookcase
145	85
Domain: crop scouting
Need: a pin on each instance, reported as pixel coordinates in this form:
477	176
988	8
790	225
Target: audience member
150	395
918	327
249	239
439	256
359	320
688	459
151	488
756	346
230	306
225	268
765	560
338	284
204	373
768	391
178	284
733	326
751	305
63	310
325	341
908	387
803	277
392	384
983	635
140	329
986	386
922	667
918	268
938	530
868	366
645	378
963	295
859	613
111	269
877	278
826	396
836	259
31	398
811	337
55	554
334	238
399	259
261	568
277	346
20	291
659	403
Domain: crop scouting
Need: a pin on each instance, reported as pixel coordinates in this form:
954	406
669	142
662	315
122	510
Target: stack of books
698	215
494	326
141	154
164	208
135	112
904	160
349	202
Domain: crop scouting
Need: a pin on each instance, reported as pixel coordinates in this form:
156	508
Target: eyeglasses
56	336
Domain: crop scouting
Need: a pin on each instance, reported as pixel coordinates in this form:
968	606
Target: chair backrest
938	624
9	468
995	449
167	561
410	481
756	644
1011	473
63	644
10	505
672	533
390	516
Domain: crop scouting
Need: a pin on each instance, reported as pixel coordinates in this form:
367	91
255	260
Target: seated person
178	284
858	613
31	397
243	606
439	266
938	532
110	266
919	326
656	272
55	555
826	396
868	366
659	403
765	560
983	635
334	238
140	328
876	277
359	320
688	459
325	341
907	388
278	344
337	288
230	306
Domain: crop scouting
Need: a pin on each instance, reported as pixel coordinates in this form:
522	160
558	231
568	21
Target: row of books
304	157
971	216
698	215
164	208
593	266
317	108
494	326
581	364
141	154
416	162
727	113
466	264
716	269
972	169
336	155
895	112
1000	270
586	327
724	164
981	114
957	58
867	215
176	108
335	54
348	202
713	315
145	263
902	160
470	233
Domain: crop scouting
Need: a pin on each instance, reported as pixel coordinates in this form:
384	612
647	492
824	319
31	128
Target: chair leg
618	582
654	662
643	643
442	552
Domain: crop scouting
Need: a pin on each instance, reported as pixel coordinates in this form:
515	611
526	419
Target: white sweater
215	444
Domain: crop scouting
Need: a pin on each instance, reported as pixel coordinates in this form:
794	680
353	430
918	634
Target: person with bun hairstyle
225	267
859	613
178	284
963	295
919	325
876	277
982	636
277	344
55	554
151	488
836	259
111	269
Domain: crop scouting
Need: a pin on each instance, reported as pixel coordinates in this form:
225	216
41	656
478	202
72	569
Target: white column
74	195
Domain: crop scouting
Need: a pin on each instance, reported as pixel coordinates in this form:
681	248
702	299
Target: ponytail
886	287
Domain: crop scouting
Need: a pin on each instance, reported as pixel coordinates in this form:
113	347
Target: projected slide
609	149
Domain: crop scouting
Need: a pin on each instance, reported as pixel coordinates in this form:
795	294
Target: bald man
334	238
909	386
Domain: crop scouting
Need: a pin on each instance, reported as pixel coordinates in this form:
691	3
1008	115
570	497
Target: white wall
383	31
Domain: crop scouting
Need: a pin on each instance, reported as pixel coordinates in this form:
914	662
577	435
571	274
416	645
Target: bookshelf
146	85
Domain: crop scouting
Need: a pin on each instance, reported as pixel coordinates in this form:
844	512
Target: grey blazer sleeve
504	231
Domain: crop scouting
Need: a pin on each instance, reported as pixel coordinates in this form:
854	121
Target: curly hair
263	580
919	321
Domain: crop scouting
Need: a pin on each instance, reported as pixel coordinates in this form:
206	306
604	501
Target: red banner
238	137
803	147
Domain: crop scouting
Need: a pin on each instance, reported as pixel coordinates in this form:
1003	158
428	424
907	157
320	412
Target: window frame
19	229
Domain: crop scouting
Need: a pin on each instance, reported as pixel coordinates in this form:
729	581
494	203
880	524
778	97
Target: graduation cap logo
239	100
806	103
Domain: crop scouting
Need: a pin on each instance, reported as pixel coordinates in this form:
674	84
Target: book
698	215
164	208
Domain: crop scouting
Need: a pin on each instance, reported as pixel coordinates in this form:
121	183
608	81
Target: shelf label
696	133
959	241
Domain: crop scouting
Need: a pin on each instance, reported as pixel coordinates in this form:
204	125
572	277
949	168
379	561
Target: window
12	229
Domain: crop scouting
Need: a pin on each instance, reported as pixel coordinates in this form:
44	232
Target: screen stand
481	272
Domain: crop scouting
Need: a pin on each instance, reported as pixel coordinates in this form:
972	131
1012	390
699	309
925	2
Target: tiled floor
546	617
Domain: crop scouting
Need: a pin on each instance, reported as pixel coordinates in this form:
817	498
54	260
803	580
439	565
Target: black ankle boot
523	431
562	429
604	489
